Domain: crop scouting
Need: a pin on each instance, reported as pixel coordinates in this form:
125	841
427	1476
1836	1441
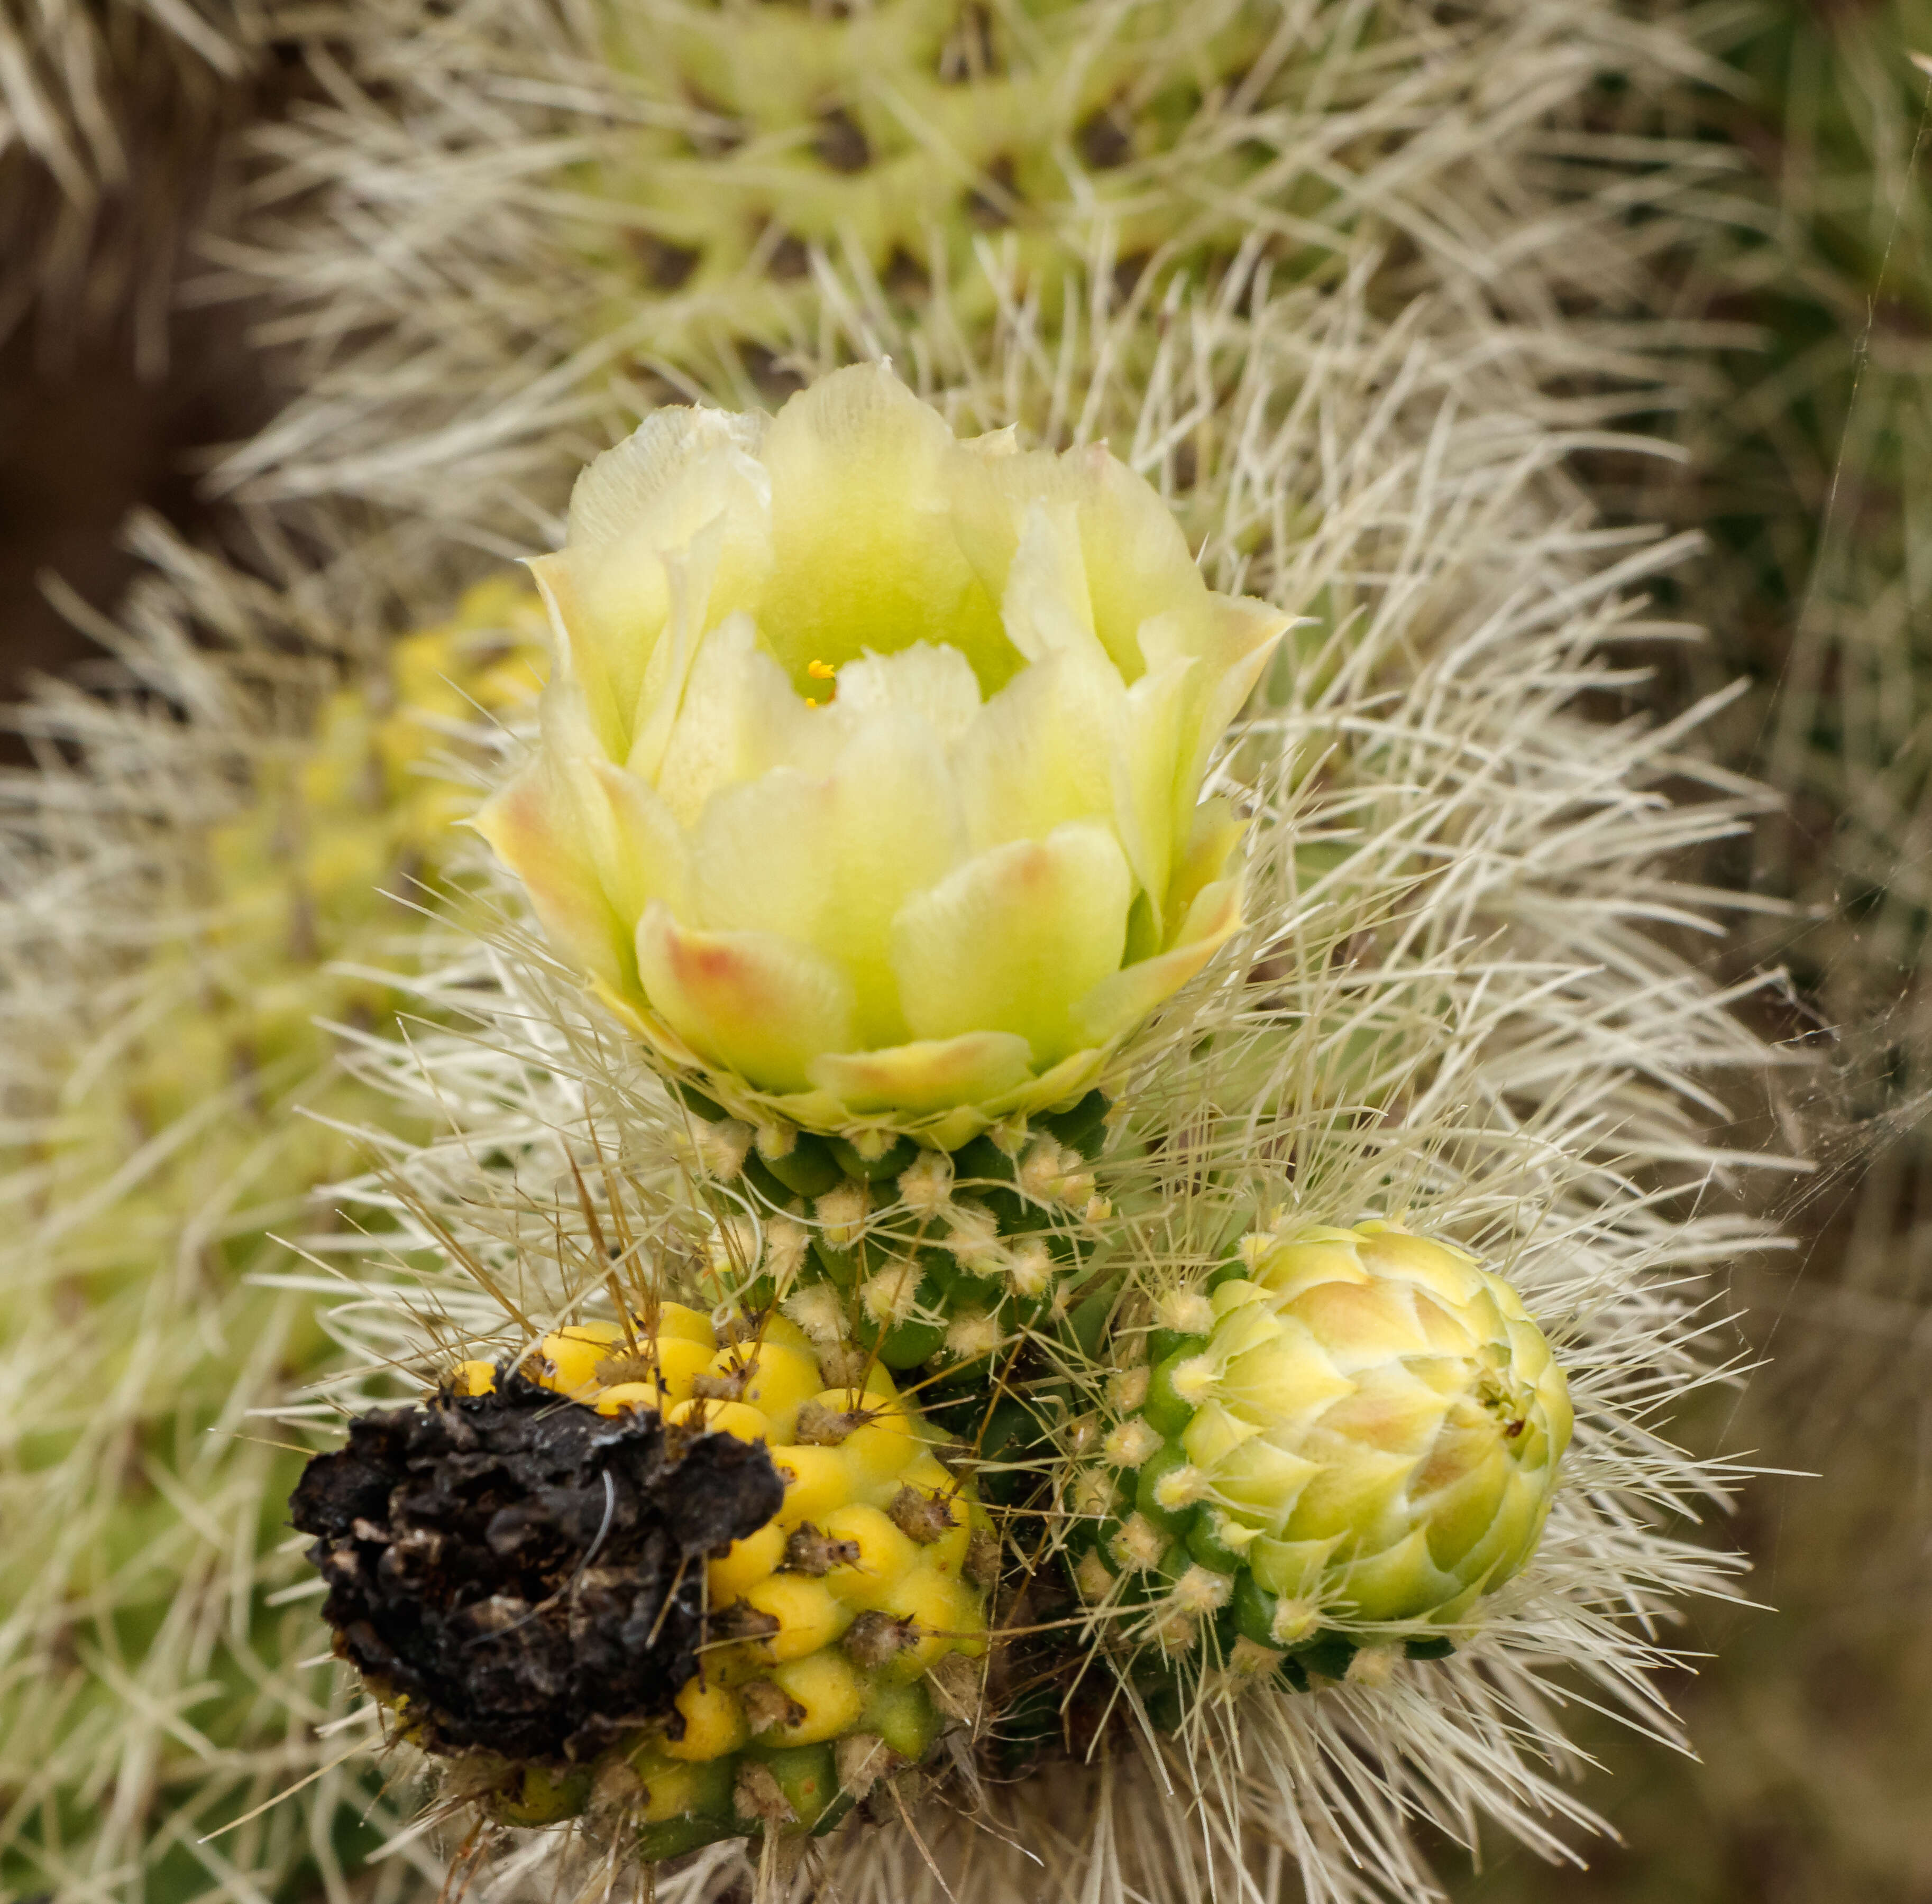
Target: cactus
1487	929
1442	991
113	118
628	202
914	1254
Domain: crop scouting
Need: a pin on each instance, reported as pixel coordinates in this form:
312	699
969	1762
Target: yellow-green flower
869	784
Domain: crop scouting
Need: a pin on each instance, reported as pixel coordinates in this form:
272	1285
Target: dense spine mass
636	202
1398	482
196	1109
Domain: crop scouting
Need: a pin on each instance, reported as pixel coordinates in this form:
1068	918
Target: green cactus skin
916	1256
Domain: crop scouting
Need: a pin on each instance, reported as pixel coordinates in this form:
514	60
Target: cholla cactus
103	1784
1436	1005
587	212
110	117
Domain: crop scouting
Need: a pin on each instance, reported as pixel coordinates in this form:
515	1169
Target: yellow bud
628	1398
678	1362
676	1320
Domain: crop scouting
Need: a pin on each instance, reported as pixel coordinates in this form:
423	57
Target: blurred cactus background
165	296
1809	469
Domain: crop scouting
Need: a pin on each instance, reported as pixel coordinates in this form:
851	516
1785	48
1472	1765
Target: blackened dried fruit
520	1573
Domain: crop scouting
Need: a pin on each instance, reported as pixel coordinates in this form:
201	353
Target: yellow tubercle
714	1722
474	1378
745	1563
816	1482
710	1417
831	1693
809	1613
570	1359
629	1397
678	1362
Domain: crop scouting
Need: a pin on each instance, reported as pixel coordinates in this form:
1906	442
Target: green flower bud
1368	1436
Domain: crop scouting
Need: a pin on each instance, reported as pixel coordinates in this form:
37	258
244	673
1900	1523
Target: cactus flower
869	783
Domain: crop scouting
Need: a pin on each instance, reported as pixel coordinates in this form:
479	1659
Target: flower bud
1368	1439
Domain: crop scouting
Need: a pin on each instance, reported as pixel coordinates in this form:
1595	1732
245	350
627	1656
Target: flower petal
593	845
1136	561
1011	938
652	466
863	554
1121	1000
575	660
1155	740
531	825
655	497
760	857
936	683
738	719
1041	752
933	1075
1215	831
1233	641
763	1005
831	861
1046	606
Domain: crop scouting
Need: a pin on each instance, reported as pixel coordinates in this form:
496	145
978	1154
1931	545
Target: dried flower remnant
524	1575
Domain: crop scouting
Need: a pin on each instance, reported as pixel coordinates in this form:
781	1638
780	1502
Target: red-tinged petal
762	1006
